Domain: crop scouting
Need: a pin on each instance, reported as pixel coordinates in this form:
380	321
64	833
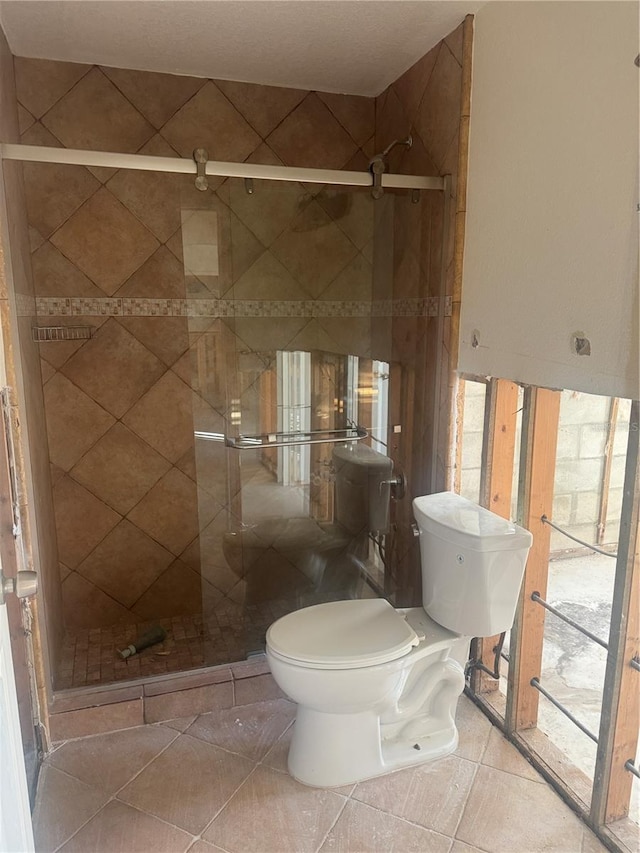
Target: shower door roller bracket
23	585
200	155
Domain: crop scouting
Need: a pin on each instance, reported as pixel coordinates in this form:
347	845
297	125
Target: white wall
552	228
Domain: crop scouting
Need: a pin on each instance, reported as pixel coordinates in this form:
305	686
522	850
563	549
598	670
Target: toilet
377	687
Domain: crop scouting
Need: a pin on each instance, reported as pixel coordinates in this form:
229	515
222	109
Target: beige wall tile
355	113
267	278
85	606
153	197
125	564
74	421
283	200
439	114
156	96
40	83
120	469
95	115
169	511
55	276
177	592
411	85
53	191
105	241
25	119
160	277
163	417
73	502
210	121
314	249
114	368
264	107
165	337
311	134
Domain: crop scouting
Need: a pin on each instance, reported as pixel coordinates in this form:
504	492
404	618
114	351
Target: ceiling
347	46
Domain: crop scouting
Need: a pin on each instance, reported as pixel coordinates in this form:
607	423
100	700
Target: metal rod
634	663
545	520
535	596
180	165
536	683
631	767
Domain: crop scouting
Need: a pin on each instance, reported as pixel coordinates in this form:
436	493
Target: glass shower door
290	352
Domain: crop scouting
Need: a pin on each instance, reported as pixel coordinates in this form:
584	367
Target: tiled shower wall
430	101
107	252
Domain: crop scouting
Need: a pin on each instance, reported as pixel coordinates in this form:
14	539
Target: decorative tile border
220	308
25	305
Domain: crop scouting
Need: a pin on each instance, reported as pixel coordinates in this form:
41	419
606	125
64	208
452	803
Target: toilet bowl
377	687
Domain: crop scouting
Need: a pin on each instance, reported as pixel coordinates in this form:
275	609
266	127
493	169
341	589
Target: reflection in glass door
285	295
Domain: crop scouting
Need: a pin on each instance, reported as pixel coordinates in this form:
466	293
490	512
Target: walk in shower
244	360
207	362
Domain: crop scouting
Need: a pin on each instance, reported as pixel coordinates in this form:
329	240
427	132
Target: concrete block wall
582	436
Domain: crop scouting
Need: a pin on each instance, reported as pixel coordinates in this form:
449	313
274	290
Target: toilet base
332	750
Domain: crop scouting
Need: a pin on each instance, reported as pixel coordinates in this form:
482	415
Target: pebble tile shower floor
217	783
90	657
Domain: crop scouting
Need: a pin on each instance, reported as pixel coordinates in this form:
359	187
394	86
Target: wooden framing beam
618	737
614	405
498	448
537	470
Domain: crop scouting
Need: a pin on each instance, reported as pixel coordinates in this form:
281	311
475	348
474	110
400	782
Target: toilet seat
342	635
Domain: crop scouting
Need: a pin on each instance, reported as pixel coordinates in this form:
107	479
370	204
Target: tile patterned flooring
217	783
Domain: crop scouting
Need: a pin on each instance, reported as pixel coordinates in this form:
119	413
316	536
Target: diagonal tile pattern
219	783
122	407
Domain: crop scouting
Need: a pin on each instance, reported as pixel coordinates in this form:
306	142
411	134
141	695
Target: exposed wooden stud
537	469
606	469
618	738
496	486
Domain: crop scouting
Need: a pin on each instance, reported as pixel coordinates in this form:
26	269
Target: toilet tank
362	497
472	564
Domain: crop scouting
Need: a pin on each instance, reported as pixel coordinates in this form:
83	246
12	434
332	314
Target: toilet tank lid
467	524
343	634
362	454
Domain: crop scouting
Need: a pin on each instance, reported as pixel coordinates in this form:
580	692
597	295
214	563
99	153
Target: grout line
466	800
226	803
338	816
86	784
